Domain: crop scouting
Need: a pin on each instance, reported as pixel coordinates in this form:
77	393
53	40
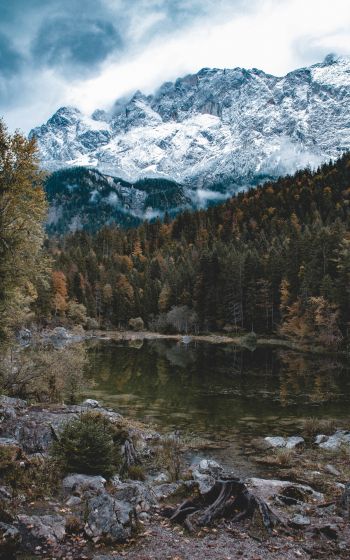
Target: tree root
229	498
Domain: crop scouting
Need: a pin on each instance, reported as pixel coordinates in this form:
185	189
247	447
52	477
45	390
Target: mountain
232	127
81	198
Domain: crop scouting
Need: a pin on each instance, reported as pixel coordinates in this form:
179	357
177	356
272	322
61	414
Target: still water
219	393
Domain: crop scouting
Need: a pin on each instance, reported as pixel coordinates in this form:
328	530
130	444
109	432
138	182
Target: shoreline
213	338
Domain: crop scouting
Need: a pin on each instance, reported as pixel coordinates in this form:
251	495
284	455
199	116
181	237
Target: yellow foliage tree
22	213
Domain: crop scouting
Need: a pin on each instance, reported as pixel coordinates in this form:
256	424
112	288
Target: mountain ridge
209	126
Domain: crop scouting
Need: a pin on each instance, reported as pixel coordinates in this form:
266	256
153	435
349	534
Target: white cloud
274	35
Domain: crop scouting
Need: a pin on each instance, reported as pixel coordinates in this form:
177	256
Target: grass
168	456
313	426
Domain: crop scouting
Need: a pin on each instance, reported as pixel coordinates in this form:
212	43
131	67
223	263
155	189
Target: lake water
219	393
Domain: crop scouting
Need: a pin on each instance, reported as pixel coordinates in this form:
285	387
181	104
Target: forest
273	259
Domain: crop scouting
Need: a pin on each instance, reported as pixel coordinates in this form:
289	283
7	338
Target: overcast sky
87	53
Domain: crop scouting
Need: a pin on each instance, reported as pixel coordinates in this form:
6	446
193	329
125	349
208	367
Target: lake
221	394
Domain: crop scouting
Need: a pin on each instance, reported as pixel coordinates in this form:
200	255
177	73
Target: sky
88	53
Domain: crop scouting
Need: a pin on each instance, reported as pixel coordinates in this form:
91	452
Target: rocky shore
191	512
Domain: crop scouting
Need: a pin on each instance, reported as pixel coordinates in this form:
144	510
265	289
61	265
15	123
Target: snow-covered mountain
219	125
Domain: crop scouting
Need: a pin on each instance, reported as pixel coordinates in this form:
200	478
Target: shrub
86	446
249	340
136	324
169	457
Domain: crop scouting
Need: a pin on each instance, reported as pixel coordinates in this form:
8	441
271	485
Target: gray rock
8	442
10	540
36	429
108	519
73	501
332	470
136	494
13	402
48	528
24	335
205	474
160	478
61	332
334	442
6	493
294	441
300	521
279	442
9	408
267	490
320	438
275	441
79	484
91	403
207	466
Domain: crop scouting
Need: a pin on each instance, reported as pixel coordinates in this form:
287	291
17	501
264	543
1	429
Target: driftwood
229	498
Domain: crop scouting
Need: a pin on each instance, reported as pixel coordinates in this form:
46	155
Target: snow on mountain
206	128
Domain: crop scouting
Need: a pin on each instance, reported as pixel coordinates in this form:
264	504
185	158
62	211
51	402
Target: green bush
86	446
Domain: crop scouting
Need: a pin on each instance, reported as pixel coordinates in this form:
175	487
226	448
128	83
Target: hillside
274	258
81	198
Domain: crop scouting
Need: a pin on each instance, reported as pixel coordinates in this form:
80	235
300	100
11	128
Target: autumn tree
22	213
60	292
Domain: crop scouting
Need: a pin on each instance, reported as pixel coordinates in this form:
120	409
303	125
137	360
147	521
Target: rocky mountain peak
218	125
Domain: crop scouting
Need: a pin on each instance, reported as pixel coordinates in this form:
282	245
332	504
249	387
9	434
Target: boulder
12	402
279	442
108	519
10	540
267	490
320	438
300	521
35	429
8	442
334	442
205	474
61	333
276	441
47	528
9	408
137	494
294	441
332	470
91	403
24	335
79	484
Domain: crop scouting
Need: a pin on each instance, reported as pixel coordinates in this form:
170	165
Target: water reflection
203	387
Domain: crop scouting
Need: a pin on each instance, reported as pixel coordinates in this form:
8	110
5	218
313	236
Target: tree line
272	259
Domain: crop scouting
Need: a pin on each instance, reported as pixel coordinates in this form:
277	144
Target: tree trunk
229	498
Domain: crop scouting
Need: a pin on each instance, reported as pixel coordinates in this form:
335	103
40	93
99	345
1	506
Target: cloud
70	45
90	52
10	59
